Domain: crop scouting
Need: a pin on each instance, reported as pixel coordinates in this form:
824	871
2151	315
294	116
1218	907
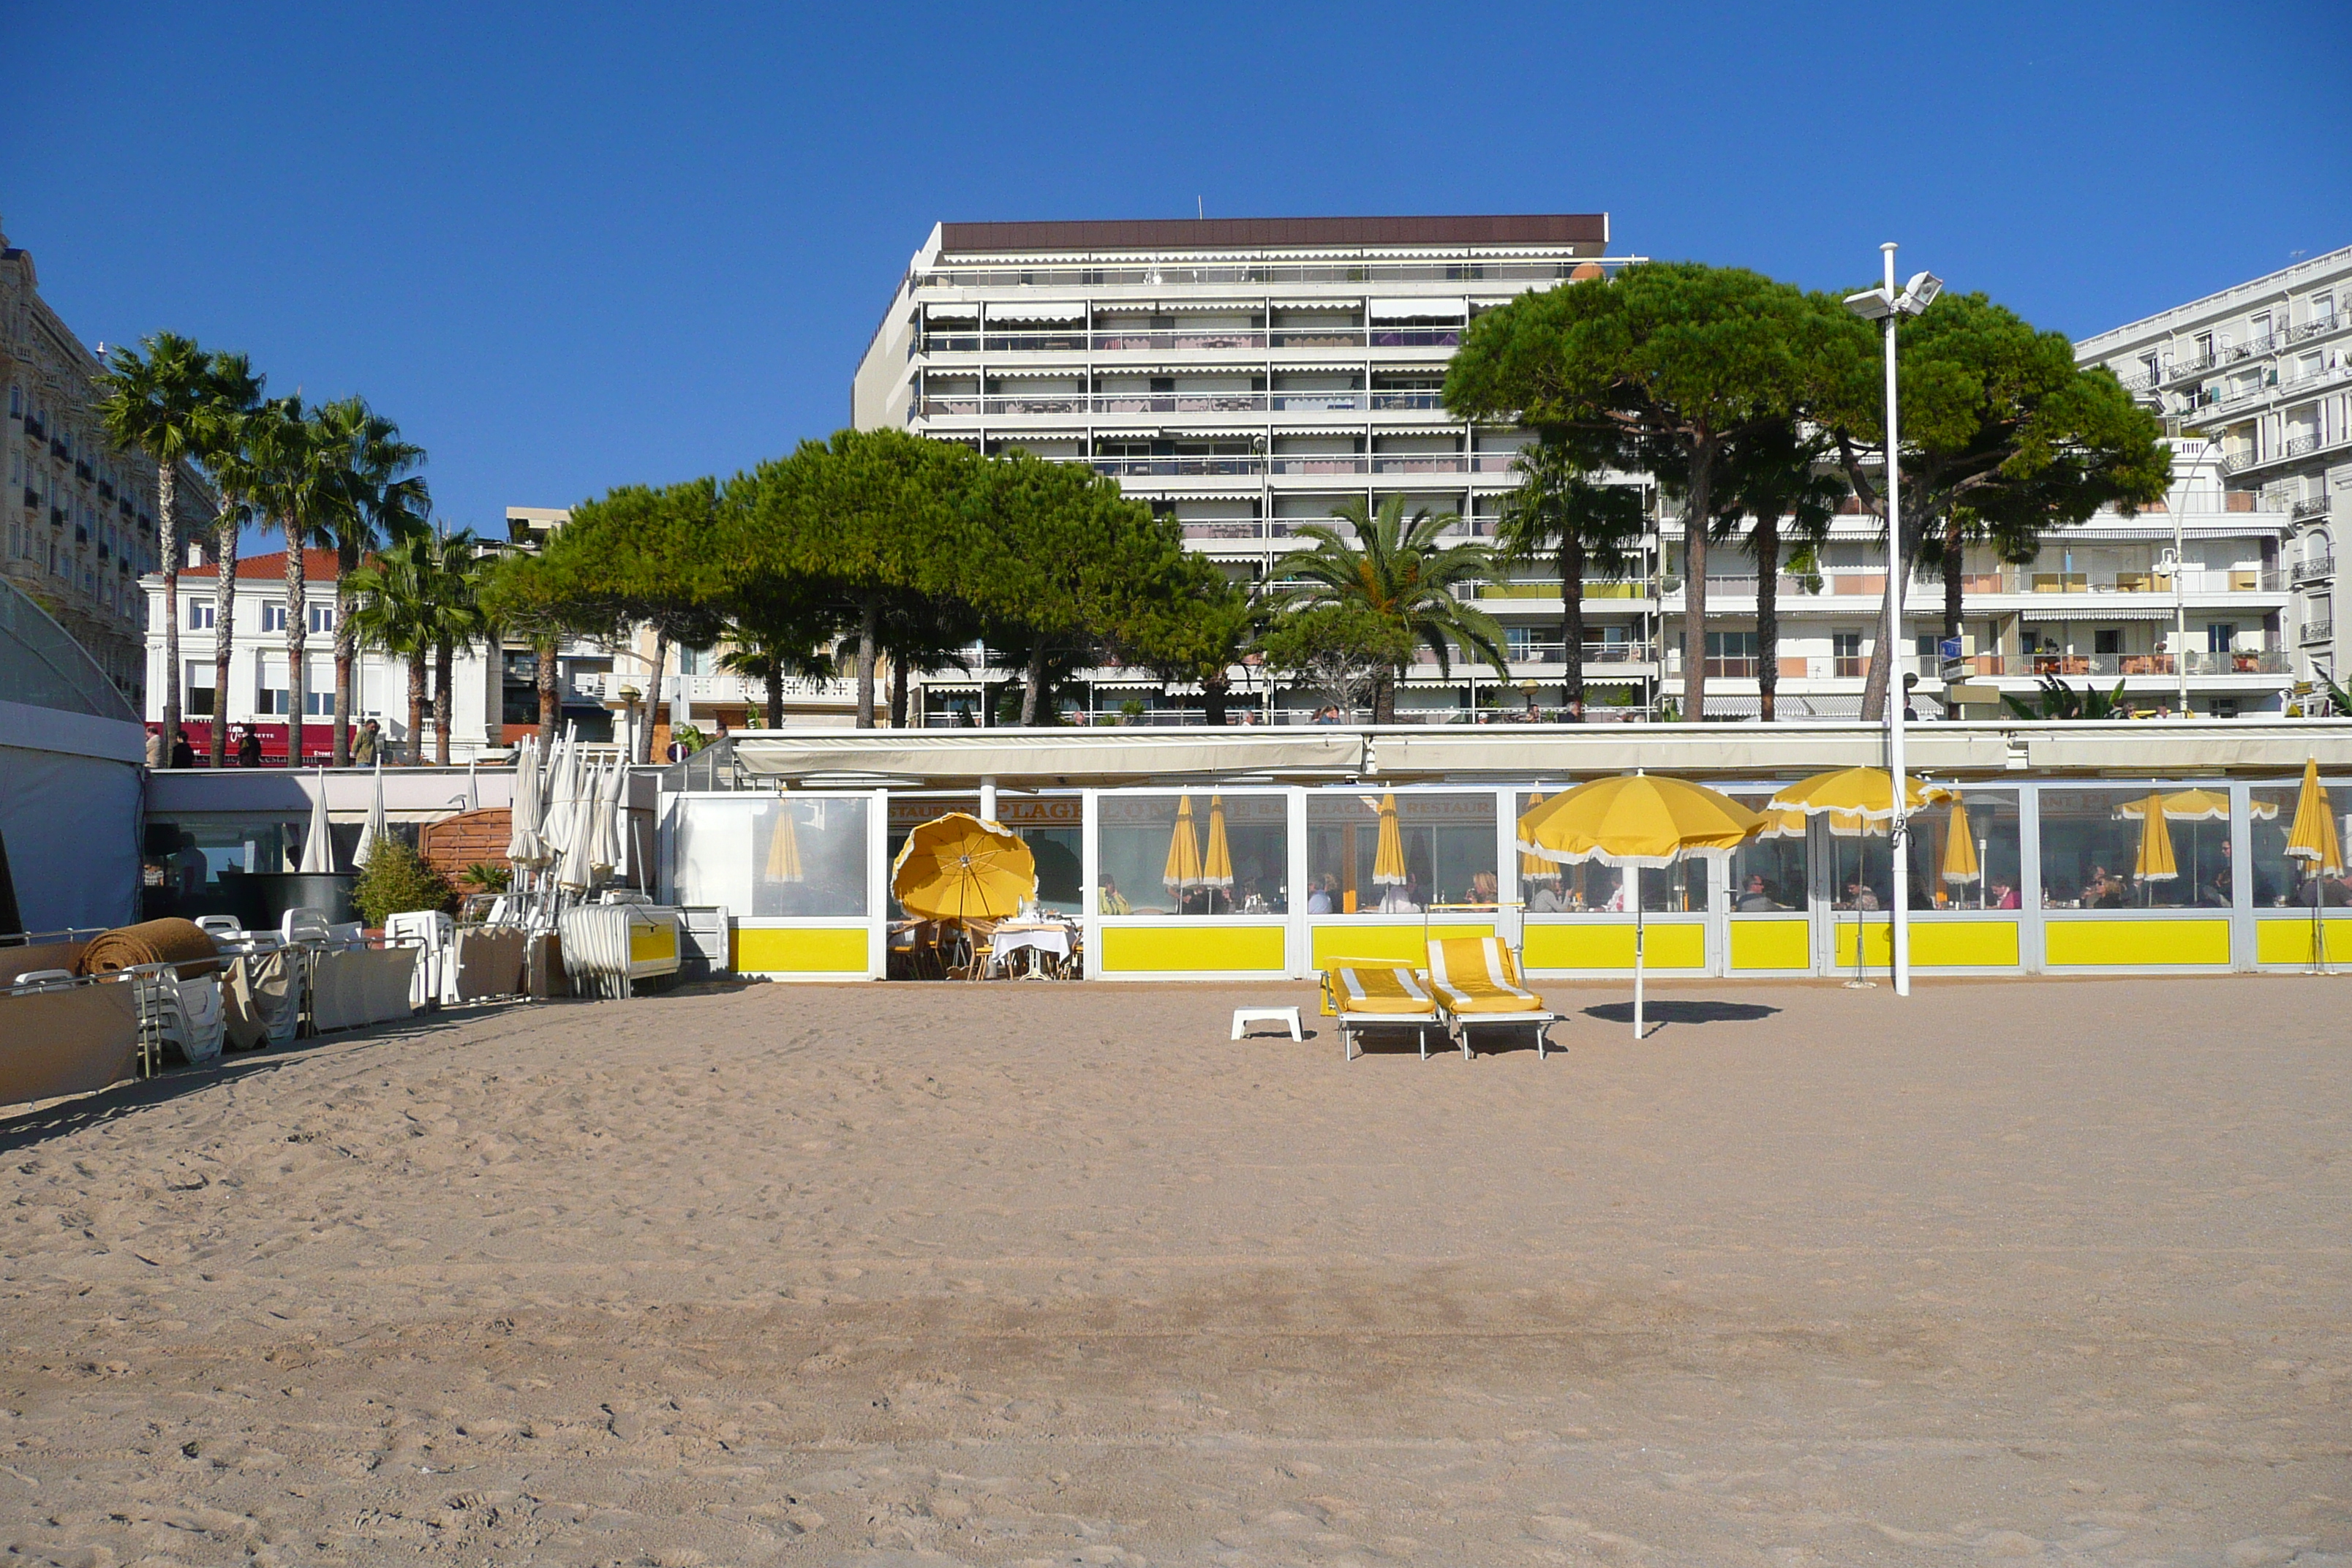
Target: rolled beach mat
152	941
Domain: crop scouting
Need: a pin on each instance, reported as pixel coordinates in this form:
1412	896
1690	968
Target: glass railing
1185	339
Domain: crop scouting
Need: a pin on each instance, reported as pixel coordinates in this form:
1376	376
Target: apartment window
2220	637
322	618
1731	653
2309	366
200	615
273	615
2107	640
2323	308
196	682
2259	328
1519	642
2204	345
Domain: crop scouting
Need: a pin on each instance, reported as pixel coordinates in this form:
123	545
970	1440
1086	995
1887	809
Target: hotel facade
1245	376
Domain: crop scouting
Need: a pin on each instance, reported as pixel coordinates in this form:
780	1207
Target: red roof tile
318	564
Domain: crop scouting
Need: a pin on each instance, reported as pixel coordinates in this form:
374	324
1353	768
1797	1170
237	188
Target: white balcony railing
1075	405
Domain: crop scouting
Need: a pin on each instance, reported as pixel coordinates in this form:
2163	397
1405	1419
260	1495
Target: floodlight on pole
1919	293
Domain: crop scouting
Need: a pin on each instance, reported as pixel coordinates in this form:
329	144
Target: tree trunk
444	660
653	696
1571	627
1383	700
296	646
898	692
346	559
167	538
1955	562
223	633
550	706
1694	521
1032	683
776	696
1882	662
869	619
1214	692
416	708
1766	548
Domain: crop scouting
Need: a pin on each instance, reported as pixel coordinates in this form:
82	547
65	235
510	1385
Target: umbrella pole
1633	888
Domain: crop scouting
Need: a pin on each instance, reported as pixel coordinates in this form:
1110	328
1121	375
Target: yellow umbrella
1781	824
1217	869
1857	800
1534	865
1183	868
784	846
1388	857
957	867
2197	805
2313	835
1960	857
2156	862
1642	819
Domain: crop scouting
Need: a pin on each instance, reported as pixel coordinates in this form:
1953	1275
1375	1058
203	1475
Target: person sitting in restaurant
1545	900
2104	892
1321	897
1860	895
1484	889
1399	900
1109	901
1756	899
2004	895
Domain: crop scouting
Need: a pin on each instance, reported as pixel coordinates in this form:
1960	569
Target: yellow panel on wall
1397	943
2135	943
2288	940
652	941
1611	946
1877	943
1201	948
801	950
1758	943
1965	944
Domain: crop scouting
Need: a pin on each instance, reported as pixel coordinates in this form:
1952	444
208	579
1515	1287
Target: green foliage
1557	513
486	876
1344	649
396	880
2056	700
1395	571
2337	695
689	736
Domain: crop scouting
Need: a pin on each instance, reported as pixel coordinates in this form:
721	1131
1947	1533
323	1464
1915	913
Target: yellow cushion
1380	991
1474	974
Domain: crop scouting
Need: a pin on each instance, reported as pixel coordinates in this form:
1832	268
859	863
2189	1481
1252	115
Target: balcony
2319	631
1185	339
1165	275
1074	405
2300	446
1534	656
2314	567
1239	466
34	429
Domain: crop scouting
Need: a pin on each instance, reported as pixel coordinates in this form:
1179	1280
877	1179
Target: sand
2042	1272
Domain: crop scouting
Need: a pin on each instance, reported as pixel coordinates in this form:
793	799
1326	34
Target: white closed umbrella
376	827
473	788
319	844
604	839
579	833
524	845
555	806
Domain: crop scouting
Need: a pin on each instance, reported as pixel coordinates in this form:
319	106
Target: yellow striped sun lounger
1378	996
1476	984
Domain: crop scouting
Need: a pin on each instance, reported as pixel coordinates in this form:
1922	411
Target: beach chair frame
1460	1025
1352	1024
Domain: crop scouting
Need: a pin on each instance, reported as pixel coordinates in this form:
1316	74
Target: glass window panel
1138	831
1594	889
2096	858
730	852
1768	874
1447	842
2281	881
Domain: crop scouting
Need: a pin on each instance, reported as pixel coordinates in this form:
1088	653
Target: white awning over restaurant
1053	754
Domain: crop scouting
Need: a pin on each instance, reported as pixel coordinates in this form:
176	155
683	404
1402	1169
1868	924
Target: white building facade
2256	381
1245	376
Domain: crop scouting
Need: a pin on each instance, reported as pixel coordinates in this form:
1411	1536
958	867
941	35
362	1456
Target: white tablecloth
1053	940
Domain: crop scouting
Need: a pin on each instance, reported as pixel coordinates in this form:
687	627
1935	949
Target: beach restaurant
2042	849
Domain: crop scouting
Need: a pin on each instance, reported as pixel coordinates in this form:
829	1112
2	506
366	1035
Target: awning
1677	749
1418	310
2156	607
1051	754
1197	307
1037	311
1352	303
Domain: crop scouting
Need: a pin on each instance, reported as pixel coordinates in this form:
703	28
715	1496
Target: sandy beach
2042	1271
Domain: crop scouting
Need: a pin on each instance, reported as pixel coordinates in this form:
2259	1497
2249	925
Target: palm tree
225	433
297	462
392	611
155	405
381	496
1557	512
1776	476
756	658
1398	571
459	620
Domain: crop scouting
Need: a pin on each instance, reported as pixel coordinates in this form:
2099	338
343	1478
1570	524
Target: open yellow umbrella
1388	856
1640	819
1184	869
784	846
1857	800
957	866
2197	805
1217	869
2312	838
1960	857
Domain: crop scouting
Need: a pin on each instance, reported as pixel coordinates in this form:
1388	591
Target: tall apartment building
1246	375
2254	381
80	517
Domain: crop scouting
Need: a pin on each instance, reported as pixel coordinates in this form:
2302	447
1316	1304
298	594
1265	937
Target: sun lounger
1476	985
1374	996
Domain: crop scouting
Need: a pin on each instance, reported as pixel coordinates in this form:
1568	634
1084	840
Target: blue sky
574	246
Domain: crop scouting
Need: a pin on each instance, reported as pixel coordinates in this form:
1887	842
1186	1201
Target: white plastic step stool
1244	1016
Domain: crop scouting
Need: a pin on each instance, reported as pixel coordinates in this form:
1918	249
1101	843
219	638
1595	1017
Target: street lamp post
1884	304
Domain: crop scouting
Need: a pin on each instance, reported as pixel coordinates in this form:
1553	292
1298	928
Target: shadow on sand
1668	1010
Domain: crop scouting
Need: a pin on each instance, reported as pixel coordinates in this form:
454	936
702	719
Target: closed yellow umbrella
1960	857
2154	862
1183	870
1640	820
1535	865
2313	835
1388	856
784	846
957	866
1217	869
